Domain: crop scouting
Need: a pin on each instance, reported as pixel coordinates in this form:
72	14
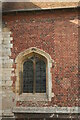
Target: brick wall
55	32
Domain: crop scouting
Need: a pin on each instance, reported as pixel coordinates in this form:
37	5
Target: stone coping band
46	110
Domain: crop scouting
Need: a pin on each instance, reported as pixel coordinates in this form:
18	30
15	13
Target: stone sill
32	97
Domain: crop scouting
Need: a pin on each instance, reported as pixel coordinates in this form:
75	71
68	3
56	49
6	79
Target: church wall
56	33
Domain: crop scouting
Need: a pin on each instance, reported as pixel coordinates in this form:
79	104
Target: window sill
32	97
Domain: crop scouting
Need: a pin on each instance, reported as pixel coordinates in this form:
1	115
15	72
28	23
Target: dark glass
28	77
35	84
40	76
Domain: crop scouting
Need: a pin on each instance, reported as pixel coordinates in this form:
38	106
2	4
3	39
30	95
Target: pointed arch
19	69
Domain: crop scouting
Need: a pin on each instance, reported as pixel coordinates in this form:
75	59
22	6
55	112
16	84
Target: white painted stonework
6	84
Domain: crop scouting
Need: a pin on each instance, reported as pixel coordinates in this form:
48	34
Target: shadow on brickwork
48	119
14	6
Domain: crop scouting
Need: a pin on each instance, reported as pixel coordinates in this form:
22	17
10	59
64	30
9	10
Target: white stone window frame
19	63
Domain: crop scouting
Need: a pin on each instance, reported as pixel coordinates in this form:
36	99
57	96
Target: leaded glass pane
28	77
40	76
34	75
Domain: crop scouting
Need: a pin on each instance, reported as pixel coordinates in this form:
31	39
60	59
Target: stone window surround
19	63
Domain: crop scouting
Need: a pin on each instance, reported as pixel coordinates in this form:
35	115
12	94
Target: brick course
53	32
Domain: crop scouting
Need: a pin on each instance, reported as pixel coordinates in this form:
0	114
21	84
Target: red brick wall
53	32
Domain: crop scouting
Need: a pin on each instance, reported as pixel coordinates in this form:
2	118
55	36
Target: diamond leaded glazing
34	75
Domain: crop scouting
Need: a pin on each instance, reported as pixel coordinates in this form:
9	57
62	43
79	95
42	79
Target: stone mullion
34	79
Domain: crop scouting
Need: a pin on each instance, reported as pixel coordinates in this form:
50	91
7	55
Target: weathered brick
54	33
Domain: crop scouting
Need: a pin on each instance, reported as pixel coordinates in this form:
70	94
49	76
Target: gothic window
34	75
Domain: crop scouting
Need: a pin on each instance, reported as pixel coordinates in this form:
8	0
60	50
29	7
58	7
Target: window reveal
34	75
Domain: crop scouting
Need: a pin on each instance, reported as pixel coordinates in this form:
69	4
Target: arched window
34	75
